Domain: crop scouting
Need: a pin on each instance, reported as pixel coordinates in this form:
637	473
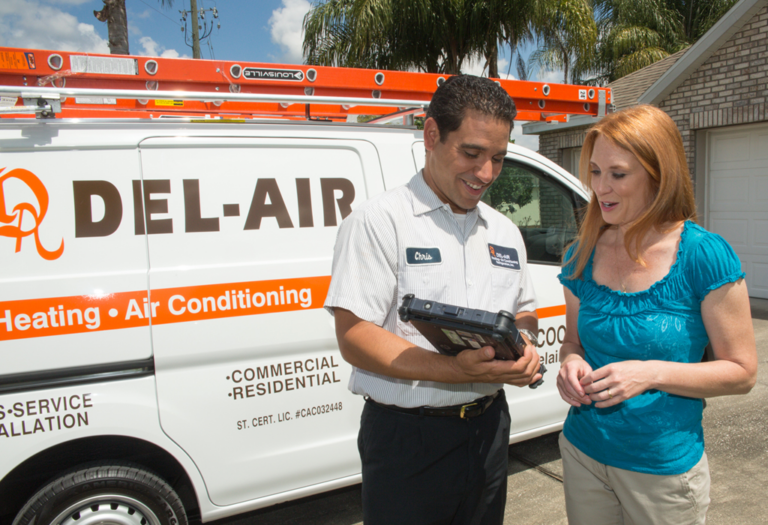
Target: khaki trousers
596	494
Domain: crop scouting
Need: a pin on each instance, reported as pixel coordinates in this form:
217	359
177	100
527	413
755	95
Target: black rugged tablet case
453	329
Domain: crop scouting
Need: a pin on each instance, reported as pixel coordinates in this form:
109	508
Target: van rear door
241	233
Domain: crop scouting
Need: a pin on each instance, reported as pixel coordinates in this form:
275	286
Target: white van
164	349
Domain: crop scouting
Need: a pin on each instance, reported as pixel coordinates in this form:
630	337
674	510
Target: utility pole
195	30
197	17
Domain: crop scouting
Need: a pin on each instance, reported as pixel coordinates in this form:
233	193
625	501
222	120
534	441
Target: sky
251	31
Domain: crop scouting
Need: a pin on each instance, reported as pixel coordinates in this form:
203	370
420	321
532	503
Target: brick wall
552	144
729	88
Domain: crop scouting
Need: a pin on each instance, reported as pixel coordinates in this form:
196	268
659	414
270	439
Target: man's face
460	169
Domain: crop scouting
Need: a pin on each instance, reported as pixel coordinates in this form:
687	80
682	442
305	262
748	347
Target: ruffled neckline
657	284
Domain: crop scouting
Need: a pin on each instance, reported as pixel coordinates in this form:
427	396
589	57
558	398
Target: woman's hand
569	380
617	382
573	367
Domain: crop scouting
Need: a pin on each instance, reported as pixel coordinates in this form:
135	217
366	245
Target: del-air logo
504	257
25	218
423	256
150	199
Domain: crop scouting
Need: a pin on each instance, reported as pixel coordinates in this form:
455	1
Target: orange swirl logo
8	229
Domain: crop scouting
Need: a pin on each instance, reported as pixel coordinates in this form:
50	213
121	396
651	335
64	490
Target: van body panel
217	270
31	422
68	247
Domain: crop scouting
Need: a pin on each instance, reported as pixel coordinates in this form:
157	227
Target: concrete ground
735	432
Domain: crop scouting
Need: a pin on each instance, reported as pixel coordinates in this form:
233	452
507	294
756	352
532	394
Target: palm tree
566	32
699	15
427	35
637	33
113	13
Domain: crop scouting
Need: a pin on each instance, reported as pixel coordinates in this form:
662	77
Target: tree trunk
493	62
114	15
452	64
566	63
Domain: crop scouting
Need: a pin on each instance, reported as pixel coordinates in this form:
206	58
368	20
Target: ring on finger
610	396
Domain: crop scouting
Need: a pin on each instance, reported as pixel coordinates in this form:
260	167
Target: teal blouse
654	432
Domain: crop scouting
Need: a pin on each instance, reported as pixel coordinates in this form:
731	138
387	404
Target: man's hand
370	347
481	365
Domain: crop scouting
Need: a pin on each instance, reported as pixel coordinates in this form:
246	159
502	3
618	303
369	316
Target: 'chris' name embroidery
423	256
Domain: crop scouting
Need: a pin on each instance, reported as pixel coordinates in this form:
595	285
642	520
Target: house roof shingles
627	89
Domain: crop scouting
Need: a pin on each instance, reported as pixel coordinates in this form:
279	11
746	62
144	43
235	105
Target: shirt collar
425	200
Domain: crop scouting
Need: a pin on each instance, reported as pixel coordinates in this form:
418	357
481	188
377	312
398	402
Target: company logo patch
17	231
504	257
423	256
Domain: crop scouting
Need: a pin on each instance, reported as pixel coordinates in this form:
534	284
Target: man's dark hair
467	92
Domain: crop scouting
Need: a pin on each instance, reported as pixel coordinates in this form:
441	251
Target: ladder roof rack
50	84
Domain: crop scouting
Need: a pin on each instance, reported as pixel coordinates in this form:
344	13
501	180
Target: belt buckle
464	409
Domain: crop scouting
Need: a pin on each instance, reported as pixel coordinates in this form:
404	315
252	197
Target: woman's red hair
653	138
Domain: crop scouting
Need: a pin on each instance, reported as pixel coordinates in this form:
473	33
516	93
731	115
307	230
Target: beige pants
596	494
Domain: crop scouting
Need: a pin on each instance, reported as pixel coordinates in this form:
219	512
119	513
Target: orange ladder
81	85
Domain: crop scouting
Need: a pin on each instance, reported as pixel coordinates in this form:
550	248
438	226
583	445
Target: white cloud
150	48
474	66
172	53
285	25
28	23
551	77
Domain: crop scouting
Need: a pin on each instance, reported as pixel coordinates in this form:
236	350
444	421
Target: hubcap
104	509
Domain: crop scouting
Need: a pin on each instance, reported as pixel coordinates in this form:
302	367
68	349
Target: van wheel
121	494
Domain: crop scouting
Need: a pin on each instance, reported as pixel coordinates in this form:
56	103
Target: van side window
543	209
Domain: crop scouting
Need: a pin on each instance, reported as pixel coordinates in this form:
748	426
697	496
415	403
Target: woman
646	289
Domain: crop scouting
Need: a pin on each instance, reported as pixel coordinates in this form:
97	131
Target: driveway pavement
736	435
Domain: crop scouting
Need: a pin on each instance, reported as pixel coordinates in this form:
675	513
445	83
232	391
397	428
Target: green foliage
592	41
637	33
425	35
509	192
566	33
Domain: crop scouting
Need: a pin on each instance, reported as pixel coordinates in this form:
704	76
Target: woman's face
622	186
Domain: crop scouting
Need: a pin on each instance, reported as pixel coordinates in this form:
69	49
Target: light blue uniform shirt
654	432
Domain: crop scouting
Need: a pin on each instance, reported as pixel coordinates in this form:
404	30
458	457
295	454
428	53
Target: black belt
469	410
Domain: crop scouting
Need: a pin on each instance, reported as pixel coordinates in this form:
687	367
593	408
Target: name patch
423	256
504	257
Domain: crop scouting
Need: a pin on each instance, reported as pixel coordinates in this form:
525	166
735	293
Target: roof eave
537	128
699	52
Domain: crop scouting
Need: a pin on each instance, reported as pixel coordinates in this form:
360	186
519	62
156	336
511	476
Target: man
423	463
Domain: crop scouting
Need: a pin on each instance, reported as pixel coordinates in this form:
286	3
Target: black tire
122	494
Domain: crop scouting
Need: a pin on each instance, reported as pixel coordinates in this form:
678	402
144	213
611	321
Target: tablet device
453	329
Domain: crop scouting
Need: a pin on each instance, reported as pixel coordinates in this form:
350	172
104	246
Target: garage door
737	190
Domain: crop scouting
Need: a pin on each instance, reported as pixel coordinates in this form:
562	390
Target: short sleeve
569	266
714	264
364	273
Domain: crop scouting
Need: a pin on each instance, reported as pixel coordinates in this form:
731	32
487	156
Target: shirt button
470	283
